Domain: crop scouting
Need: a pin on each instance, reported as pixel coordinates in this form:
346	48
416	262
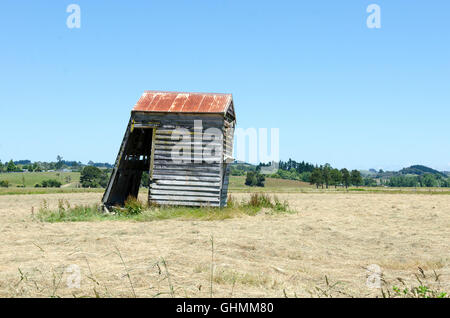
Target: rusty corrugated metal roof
178	102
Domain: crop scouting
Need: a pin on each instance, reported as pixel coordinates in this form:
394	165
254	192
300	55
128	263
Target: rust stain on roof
178	102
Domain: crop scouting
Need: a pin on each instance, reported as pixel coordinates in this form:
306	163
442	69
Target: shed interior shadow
133	162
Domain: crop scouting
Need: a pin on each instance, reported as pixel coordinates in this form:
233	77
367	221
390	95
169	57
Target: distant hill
420	170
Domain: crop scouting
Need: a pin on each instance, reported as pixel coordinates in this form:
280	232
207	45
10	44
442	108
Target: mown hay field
336	234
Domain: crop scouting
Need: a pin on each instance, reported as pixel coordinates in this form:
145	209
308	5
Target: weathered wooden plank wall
190	182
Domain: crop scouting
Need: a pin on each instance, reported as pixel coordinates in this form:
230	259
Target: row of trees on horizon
325	176
39	166
321	176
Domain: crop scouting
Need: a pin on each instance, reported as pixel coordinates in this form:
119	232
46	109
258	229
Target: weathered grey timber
152	137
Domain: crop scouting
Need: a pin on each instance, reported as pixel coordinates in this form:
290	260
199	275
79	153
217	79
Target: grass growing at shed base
142	212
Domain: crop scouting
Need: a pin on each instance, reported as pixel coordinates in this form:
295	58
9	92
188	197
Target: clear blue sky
339	92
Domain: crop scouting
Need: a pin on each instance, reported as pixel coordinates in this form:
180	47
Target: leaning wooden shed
184	141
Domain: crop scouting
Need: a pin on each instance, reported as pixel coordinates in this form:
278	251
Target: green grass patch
237	184
231	277
32	178
137	211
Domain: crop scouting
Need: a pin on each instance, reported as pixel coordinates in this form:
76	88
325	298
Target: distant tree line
325	176
425	180
291	170
39	166
9	167
300	167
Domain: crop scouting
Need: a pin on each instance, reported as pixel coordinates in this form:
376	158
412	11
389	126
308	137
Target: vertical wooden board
113	178
224	189
152	155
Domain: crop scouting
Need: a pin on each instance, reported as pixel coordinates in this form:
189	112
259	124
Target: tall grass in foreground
139	211
422	289
426	286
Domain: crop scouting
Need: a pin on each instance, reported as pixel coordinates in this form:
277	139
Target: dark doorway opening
135	158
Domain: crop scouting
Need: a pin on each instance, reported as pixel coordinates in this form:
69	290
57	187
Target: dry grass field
332	234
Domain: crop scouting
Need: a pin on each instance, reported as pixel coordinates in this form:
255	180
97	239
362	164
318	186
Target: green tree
326	173
404	181
316	177
250	178
1	166
51	183
36	167
305	176
355	177
345	177
428	180
11	166
59	163
93	177
254	179
445	183
4	183
369	182
336	177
